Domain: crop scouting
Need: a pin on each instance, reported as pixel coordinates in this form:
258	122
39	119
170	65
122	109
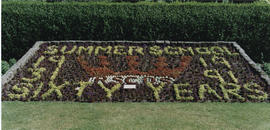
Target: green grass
72	115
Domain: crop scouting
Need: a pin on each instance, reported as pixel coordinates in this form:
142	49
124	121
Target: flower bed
137	71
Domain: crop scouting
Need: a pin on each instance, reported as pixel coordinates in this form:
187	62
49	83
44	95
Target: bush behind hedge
24	23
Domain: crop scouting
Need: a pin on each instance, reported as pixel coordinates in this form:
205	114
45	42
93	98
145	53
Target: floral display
137	72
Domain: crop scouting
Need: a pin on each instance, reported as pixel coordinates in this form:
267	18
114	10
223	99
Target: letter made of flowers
157	89
182	91
83	85
53	87
109	91
255	92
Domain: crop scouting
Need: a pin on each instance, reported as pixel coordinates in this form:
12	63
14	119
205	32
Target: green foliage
6	65
225	1
266	68
24	23
12	61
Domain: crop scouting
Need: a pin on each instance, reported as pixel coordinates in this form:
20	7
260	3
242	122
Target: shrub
12	61
24	23
266	67
6	65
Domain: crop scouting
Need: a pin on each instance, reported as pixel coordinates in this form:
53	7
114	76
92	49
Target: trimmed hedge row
233	1
24	23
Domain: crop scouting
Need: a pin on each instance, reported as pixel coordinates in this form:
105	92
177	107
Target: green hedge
23	23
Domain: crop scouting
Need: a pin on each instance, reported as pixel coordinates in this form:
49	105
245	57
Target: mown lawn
73	115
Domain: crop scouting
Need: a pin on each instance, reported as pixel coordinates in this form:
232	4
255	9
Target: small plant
6	65
12	61
266	68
